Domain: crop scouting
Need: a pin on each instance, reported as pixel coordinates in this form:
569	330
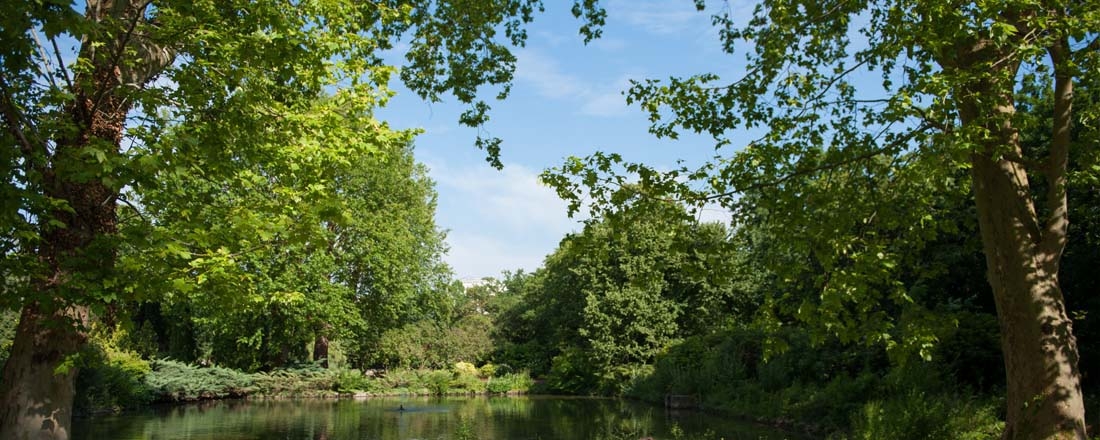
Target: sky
566	101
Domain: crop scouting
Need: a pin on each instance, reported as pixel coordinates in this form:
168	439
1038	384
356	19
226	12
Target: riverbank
121	381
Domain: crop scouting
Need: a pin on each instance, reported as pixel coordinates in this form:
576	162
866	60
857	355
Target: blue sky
566	101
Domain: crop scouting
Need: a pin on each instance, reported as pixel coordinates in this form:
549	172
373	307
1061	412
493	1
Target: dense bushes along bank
116	380
822	390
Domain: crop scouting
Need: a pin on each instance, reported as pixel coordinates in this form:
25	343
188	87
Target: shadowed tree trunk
1023	251
320	350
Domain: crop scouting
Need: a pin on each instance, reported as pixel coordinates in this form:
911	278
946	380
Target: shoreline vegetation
847	406
830	390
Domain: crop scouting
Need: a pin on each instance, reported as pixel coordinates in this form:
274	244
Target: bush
111	380
467	383
177	381
348	381
465	368
486	371
917	415
571	372
438	382
510	383
295	381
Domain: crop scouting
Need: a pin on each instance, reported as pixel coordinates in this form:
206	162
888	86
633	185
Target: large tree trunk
76	250
1023	251
1040	353
38	392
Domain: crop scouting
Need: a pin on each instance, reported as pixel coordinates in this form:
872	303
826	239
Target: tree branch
1057	223
63	69
823	167
15	122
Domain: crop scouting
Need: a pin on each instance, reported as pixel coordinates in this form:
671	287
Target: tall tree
85	95
949	76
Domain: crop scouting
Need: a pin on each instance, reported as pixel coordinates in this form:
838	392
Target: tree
621	291
151	87
950	73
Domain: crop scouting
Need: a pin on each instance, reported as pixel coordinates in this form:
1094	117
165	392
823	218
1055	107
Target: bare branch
48	73
14	121
60	62
122	198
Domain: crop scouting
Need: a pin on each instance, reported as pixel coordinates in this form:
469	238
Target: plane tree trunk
76	250
1023	248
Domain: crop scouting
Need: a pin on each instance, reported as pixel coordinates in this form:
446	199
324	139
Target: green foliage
849	190
177	381
486	371
510	383
612	297
468	383
111	380
8	321
917	415
427	344
207	154
295	381
350	381
438	382
465	368
572	373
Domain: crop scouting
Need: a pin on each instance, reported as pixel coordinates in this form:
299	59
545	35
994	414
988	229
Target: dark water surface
485	418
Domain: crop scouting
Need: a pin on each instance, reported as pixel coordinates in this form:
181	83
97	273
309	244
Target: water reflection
422	418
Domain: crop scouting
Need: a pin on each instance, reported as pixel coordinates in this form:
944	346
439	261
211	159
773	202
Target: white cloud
609	101
551	81
714	213
609	44
546	75
660	17
475	256
498	219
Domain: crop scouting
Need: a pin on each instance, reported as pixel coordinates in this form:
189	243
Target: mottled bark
76	251
38	394
1023	252
1040	353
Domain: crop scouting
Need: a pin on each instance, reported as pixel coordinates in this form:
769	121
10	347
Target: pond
525	417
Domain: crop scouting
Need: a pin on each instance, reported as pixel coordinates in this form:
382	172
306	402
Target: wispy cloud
505	219
660	17
477	255
547	76
610	44
550	80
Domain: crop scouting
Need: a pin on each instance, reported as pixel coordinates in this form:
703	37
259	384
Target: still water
532	417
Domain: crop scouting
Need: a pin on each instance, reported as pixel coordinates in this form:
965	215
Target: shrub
468	383
177	381
465	368
486	371
917	415
111	380
510	383
353	380
301	380
438	382
571	372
